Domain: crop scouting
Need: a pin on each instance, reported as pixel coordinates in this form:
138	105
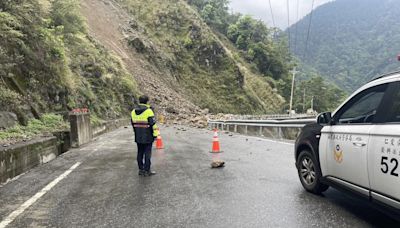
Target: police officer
146	130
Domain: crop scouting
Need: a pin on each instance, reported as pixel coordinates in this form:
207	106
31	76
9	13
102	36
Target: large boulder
138	44
7	120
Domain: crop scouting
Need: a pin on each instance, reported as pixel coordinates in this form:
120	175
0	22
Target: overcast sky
260	9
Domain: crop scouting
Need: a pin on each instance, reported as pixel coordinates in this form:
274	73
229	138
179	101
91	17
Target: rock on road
258	187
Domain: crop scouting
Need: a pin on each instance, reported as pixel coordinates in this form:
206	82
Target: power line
272	14
296	27
288	22
309	28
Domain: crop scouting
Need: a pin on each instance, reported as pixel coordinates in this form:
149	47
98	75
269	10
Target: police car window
363	107
394	110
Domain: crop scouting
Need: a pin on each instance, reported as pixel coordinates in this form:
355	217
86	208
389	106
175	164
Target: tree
199	4
327	100
215	13
254	38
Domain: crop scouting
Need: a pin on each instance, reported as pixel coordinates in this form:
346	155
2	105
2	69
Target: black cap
143	99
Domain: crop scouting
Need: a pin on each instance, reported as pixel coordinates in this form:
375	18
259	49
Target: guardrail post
235	128
261	131
246	130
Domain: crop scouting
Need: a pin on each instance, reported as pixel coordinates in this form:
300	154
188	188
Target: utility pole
304	100
294	72
312	103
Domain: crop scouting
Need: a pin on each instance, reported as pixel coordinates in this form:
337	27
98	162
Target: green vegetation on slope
318	93
47	124
252	37
351	41
265	50
213	73
49	63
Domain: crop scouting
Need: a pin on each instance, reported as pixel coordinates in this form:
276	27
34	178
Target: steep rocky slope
174	56
49	63
57	55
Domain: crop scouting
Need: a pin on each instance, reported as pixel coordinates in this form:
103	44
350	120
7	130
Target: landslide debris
177	59
57	55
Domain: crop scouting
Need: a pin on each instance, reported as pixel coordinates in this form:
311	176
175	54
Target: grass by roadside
47	124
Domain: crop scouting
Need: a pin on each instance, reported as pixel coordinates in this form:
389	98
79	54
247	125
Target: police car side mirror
324	118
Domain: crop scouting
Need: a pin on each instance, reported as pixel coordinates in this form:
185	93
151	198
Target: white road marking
11	217
270	140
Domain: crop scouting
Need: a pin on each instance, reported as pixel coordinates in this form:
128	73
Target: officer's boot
150	173
142	172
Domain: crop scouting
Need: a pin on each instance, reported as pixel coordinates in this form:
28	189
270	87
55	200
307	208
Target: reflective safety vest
144	124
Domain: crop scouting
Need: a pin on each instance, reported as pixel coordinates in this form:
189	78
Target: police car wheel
309	173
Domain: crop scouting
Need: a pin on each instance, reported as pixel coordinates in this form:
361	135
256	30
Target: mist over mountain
350	41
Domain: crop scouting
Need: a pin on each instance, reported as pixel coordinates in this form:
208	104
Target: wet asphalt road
257	188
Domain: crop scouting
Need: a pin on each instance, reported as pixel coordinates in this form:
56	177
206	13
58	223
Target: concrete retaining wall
64	141
109	126
21	158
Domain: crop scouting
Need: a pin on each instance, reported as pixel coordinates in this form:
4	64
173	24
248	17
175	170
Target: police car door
384	151
347	138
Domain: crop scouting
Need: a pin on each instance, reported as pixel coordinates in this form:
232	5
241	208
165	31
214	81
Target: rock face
138	44
7	120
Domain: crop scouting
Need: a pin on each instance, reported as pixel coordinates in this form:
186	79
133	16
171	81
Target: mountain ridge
351	41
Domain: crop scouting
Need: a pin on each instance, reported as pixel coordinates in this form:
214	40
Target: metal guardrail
277	129
272	117
266	123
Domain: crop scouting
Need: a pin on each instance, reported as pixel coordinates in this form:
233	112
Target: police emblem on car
338	154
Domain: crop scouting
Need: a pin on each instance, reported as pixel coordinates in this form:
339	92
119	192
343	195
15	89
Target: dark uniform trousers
144	153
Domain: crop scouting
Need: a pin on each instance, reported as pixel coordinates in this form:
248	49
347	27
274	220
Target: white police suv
357	147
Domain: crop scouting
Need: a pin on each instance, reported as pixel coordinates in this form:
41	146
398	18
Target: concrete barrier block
81	130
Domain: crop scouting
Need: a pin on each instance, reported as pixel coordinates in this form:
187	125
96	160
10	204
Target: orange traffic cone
159	142
215	147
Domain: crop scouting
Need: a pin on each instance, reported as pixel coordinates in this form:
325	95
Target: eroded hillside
49	63
57	55
176	57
